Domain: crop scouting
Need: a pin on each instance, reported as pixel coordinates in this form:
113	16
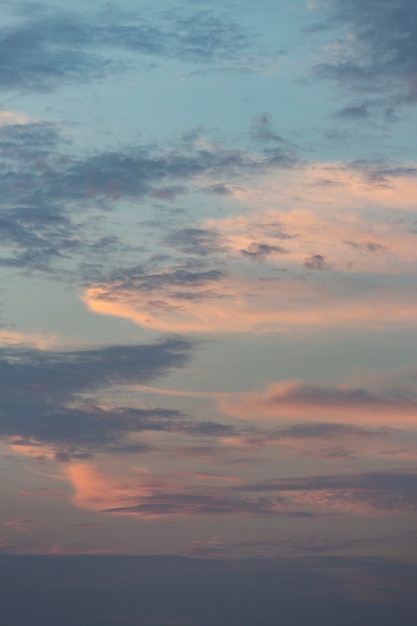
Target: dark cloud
203	502
275	230
388	491
381	173
168	193
316	262
354	113
259	251
44	396
367	246
195	241
37	239
300	393
262	129
107	590
326	430
218	189
46	48
38	165
138	279
48	193
378	52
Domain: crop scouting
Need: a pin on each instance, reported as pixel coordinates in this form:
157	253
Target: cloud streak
61	47
49	401
300	400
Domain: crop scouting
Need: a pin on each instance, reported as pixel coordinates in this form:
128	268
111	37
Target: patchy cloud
259	251
316	262
50	48
45	399
234	304
386	490
127	589
48	192
376	55
195	241
158	496
262	129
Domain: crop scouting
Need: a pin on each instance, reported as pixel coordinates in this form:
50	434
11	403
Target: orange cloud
18	525
355	222
354	225
308	402
96	491
245	305
37	340
8	118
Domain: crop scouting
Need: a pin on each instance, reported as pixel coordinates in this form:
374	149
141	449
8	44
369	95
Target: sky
208	312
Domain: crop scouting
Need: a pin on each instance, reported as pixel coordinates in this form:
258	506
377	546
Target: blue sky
208	302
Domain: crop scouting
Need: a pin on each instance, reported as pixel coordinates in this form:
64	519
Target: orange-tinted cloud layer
154	497
319	403
244	305
315	247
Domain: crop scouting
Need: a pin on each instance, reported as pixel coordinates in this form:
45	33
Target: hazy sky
208	312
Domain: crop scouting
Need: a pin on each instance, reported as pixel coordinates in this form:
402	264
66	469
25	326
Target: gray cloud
342	396
138	279
108	590
328	430
354	113
204	502
378	55
316	262
367	246
262	129
259	251
44	395
380	173
195	241
389	490
46	48
47	192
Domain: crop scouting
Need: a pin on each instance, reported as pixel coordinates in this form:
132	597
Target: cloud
321	209
354	113
128	590
358	493
262	129
37	340
316	262
377	55
18	525
49	404
151	496
51	47
234	304
315	402
353	219
195	241
8	118
50	195
259	251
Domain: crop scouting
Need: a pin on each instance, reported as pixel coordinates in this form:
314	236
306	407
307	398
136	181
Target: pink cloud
18	525
330	242
245	305
319	403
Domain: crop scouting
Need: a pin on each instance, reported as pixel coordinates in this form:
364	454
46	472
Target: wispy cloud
234	304
375	56
62	47
306	401
49	397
